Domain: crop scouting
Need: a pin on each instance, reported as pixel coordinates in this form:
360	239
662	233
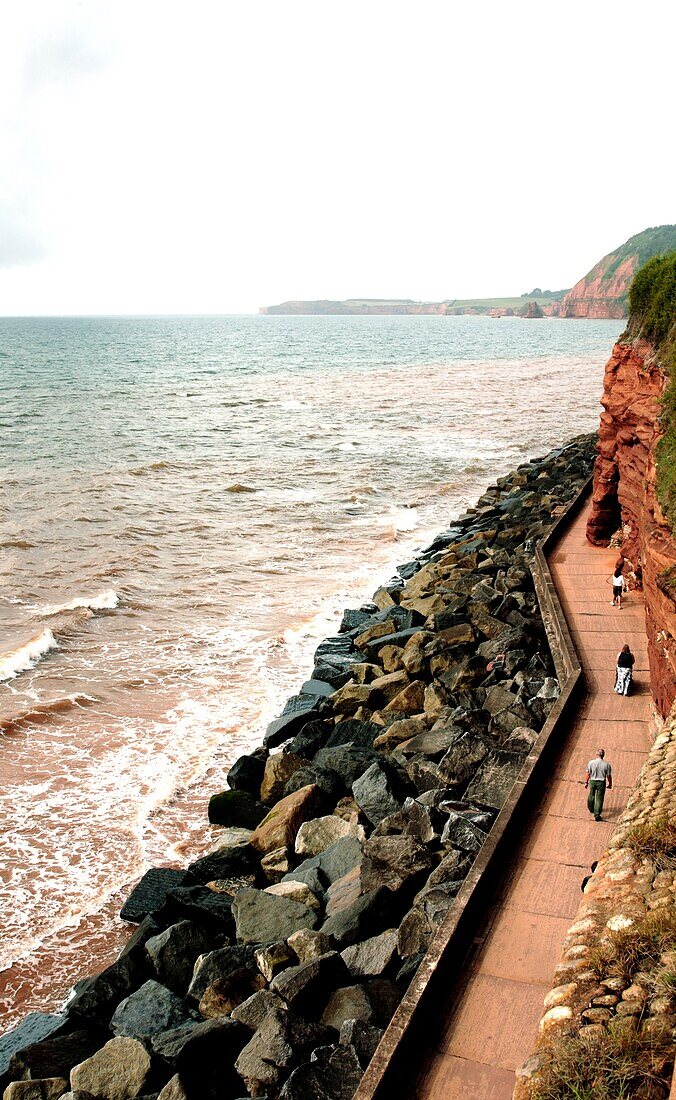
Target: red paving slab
490	1029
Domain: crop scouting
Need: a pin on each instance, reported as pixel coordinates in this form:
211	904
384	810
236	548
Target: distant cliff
603	292
635	473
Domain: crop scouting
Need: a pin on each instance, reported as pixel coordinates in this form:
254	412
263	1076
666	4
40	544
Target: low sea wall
351	848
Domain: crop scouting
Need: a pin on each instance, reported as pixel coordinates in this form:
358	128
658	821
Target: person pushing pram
624	670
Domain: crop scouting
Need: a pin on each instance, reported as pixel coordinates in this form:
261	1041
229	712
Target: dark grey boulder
203	1054
367	916
151	1009
399	862
378	792
463	834
185	1047
173	953
462	759
223	863
352	731
318	688
306	988
494	782
363	1037
246	774
385	996
298	710
198	903
219	964
333	1073
267	918
397	638
329	783
96	998
238	808
150	893
55	1057
310	739
328	866
34	1027
349	761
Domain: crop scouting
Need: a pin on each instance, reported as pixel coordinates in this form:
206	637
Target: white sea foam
26	655
105	601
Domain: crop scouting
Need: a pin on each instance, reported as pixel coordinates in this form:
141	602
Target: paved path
491	1029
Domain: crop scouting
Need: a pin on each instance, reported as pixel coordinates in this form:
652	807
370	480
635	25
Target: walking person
599	772
618	583
624	670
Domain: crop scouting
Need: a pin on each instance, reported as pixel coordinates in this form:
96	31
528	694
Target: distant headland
602	293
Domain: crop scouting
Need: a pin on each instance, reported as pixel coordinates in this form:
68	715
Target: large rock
95	998
173	1090
296	891
398	862
173	953
238	808
225	994
308	944
48	1088
329	783
223	863
367	916
321	832
34	1027
462	759
208	905
352	731
278	771
494	782
203	1055
403	730
332	1074
320	871
263	918
279	828
343	892
349	761
350	1002
150	893
298	710
55	1057
306	987
119	1071
372	957
362	1037
349	698
377	792
219	964
246	773
411	700
150	1009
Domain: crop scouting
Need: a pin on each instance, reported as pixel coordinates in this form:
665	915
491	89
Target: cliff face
601	293
624	496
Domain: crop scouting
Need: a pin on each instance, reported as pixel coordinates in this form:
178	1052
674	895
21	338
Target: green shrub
652	302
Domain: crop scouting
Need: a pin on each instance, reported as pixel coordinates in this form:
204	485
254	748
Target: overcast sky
212	156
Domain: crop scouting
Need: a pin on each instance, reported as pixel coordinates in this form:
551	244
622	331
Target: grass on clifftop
652	301
655	840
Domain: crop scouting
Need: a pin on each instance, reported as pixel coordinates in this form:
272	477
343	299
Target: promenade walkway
492	1022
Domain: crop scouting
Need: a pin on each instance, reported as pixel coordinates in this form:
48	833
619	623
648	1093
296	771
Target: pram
623	679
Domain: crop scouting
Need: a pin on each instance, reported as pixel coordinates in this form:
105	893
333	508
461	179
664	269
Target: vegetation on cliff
652	300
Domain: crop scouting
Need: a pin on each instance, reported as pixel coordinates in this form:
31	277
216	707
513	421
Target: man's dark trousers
597	792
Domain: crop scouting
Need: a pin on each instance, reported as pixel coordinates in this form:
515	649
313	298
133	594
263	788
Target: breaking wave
26	655
105	601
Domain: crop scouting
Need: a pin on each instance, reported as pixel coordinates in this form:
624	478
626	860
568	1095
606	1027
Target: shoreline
381	715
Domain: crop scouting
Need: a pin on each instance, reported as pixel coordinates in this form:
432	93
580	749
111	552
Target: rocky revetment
270	967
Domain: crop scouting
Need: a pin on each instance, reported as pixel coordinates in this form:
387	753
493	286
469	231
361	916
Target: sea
188	503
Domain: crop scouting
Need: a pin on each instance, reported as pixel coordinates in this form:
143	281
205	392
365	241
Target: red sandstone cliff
624	497
601	293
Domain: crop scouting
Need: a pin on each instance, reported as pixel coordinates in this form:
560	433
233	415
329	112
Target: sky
219	155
